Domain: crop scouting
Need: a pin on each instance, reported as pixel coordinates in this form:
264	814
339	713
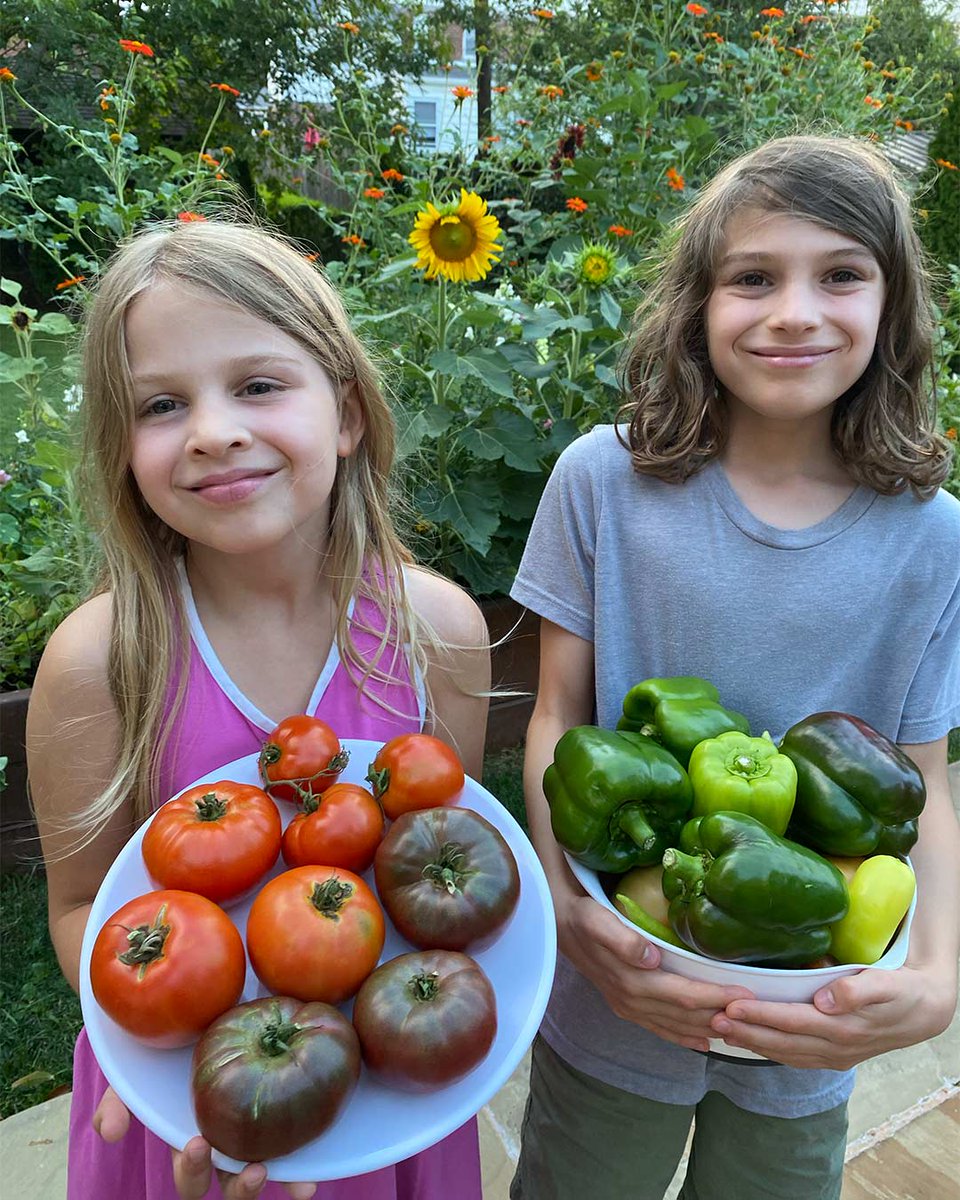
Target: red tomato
315	933
167	964
302	758
446	878
341	828
415	770
270	1075
218	839
425	1019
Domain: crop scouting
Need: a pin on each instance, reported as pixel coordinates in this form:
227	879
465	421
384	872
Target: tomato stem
210	807
423	986
330	896
379	779
146	943
276	1036
447	869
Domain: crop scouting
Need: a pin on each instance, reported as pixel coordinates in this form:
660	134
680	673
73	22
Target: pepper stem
689	869
636	826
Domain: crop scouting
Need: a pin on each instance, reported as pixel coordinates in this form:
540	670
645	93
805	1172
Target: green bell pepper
617	800
857	792
745	895
737	773
678	712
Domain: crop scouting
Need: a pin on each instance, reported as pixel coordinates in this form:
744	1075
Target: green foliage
948	377
41	1014
941	187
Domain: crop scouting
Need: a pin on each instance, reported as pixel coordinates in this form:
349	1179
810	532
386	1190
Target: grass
39	1011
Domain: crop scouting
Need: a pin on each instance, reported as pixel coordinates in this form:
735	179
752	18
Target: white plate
766	983
379	1126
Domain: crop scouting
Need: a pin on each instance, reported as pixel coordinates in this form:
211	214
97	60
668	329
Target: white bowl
766	983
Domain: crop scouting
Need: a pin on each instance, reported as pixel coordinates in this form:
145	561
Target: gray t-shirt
859	613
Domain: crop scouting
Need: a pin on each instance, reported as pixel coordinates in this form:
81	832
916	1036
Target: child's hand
192	1167
193	1170
623	966
855	1018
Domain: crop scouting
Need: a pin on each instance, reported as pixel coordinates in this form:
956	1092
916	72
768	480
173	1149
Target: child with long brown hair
240	449
765	515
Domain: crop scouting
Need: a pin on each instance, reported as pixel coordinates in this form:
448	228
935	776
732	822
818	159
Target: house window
469	45
425	118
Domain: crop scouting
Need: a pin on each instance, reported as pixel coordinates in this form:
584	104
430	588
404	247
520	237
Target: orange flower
392	175
888	74
461	93
697	10
225	87
398	129
209	160
714	37
353	239
575	204
544	14
872	102
809	19
951	433
502	88
946	164
311	257
620	231
491	138
348	27
675	179
799	53
134	47
373	193
594	72
551	91
907	125
186	217
7	75
771	12
72	282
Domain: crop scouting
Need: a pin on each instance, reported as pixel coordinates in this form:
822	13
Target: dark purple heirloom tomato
271	1074
447	878
425	1019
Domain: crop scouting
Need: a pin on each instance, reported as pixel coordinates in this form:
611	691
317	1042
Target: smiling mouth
794	356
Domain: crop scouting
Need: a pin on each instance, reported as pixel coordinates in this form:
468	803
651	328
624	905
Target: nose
796	307
216	426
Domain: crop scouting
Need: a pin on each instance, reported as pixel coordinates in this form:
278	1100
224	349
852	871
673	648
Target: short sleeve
932	706
556	575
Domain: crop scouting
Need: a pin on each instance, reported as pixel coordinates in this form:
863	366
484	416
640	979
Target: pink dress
216	725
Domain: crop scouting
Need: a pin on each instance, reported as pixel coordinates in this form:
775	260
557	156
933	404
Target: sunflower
595	265
457	242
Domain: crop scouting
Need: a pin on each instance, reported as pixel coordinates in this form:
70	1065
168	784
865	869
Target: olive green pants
585	1140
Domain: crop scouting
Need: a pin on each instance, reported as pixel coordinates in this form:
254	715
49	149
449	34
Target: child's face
236	433
793	316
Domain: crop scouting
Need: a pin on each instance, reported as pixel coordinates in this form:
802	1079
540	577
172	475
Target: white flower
72	398
22	436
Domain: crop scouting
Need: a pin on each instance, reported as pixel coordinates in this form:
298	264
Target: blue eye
164	404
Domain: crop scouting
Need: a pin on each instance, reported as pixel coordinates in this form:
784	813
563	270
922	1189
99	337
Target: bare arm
618	961
459	678
867	1014
71	745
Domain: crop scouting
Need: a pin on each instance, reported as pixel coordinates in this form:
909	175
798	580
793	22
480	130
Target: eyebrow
244	362
758	256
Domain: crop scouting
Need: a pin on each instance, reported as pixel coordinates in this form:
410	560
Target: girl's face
793	316
236	432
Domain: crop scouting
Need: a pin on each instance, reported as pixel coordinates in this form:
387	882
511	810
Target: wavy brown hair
269	278
884	427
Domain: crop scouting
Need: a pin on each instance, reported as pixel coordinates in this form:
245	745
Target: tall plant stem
439	379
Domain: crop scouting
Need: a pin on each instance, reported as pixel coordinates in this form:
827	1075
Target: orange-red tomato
315	933
301	758
341	828
218	839
415	770
165	965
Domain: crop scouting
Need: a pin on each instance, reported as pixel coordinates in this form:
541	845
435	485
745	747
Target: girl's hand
624	967
855	1018
192	1167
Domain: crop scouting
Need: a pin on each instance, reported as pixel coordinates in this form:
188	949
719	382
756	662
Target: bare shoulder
453	615
77	655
